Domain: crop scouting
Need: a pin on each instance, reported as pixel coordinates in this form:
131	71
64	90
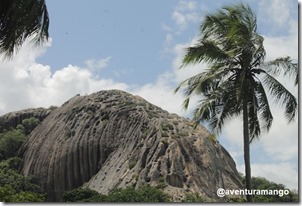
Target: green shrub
260	183
30	124
193	197
129	194
10	142
143	194
10	163
8	194
28	197
17	181
81	195
161	183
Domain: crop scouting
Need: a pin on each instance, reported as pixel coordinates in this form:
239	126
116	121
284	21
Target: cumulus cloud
24	83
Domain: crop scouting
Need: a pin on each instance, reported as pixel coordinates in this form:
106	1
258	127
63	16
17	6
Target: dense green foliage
151	194
14	187
263	184
30	124
10	142
193	197
8	194
143	194
130	194
260	183
82	195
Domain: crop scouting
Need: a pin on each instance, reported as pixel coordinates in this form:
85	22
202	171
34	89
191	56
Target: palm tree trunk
246	146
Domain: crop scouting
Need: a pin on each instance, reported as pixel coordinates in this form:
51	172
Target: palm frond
205	81
228	109
282	95
257	106
254	124
285	65
240	82
217	107
206	51
20	20
264	107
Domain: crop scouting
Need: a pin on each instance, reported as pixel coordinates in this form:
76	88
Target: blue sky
137	46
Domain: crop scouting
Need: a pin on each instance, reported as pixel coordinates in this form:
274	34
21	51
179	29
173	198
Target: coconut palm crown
237	79
237	73
20	19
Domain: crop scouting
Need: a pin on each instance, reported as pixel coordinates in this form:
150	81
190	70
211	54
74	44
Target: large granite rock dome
112	139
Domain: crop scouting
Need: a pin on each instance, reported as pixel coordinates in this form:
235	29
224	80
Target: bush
129	194
10	142
30	124
261	183
10	163
143	194
16	188
8	194
81	195
17	181
193	197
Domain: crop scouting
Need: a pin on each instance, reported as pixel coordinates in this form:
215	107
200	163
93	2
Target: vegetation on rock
14	187
130	194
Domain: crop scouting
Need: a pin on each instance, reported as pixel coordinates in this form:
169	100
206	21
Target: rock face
11	120
112	139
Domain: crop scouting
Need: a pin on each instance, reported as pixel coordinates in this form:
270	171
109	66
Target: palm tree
234	83
20	19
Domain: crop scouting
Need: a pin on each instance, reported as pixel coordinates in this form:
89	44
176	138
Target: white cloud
189	70
282	141
25	83
185	13
284	45
186	6
281	173
161	93
167	43
165	27
182	19
98	64
280	144
275	11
